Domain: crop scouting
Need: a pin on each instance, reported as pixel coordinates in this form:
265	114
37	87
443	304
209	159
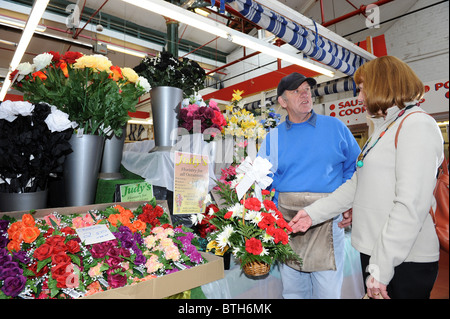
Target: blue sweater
314	156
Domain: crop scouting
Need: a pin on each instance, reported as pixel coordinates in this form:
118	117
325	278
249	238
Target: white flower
143	82
25	68
42	60
224	237
237	210
58	121
267	238
9	109
264	252
211	211
253	216
196	218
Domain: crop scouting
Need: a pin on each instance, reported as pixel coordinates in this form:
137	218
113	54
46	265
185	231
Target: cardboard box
155	288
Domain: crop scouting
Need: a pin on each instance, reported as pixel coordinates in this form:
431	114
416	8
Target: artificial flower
46	265
166	70
94	93
34	142
252	230
42	61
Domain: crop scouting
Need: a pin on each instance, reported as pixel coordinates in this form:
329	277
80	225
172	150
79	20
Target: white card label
95	234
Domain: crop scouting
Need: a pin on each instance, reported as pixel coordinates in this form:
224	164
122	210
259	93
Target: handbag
441	193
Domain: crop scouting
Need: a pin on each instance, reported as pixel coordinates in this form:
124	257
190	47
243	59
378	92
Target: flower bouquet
46	258
166	70
34	142
210	119
270	119
243	127
96	94
252	228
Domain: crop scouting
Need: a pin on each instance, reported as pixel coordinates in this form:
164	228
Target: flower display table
100	251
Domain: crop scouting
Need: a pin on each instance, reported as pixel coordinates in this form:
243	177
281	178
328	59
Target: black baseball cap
293	81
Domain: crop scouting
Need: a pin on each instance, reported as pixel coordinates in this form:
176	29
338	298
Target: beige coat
391	195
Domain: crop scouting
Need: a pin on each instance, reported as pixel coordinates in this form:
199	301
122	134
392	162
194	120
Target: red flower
70	56
228	215
269	205
56	56
60	257
72	246
253	246
43	252
13	75
268	220
280	235
252	204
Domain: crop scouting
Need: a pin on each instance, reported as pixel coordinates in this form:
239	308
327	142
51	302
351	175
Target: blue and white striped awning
305	40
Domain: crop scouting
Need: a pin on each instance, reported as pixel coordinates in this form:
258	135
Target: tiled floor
440	290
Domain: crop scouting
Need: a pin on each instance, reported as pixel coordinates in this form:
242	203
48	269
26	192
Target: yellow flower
218	251
96	61
130	74
229	108
237	95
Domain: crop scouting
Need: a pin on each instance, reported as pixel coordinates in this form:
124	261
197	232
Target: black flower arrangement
166	70
34	142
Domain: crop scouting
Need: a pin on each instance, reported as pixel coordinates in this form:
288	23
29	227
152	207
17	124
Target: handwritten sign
136	192
94	234
191	180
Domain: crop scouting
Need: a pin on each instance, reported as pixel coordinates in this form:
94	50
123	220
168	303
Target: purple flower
101	249
3	225
117	280
140	259
22	257
4	256
12	286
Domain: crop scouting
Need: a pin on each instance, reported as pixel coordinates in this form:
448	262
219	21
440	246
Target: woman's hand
375	289
301	222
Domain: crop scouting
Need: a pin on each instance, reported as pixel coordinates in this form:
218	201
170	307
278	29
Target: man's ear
282	102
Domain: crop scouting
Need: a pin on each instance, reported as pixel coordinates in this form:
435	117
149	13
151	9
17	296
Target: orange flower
127	213
40	75
28	220
63	67
116	74
125	220
139	225
14	228
13	245
113	219
29	234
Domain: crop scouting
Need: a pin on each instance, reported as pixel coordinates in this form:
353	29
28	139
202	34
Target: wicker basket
256	269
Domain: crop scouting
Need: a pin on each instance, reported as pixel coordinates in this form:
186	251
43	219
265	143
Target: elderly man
312	155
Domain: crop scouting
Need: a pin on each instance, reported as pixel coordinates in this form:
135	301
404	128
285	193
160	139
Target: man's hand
301	222
346	219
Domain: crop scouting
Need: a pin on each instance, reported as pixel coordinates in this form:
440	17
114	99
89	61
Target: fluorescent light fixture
36	13
179	14
18	23
201	11
197	21
117	48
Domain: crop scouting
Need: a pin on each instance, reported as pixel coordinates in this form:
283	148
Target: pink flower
191	109
52	217
213	104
